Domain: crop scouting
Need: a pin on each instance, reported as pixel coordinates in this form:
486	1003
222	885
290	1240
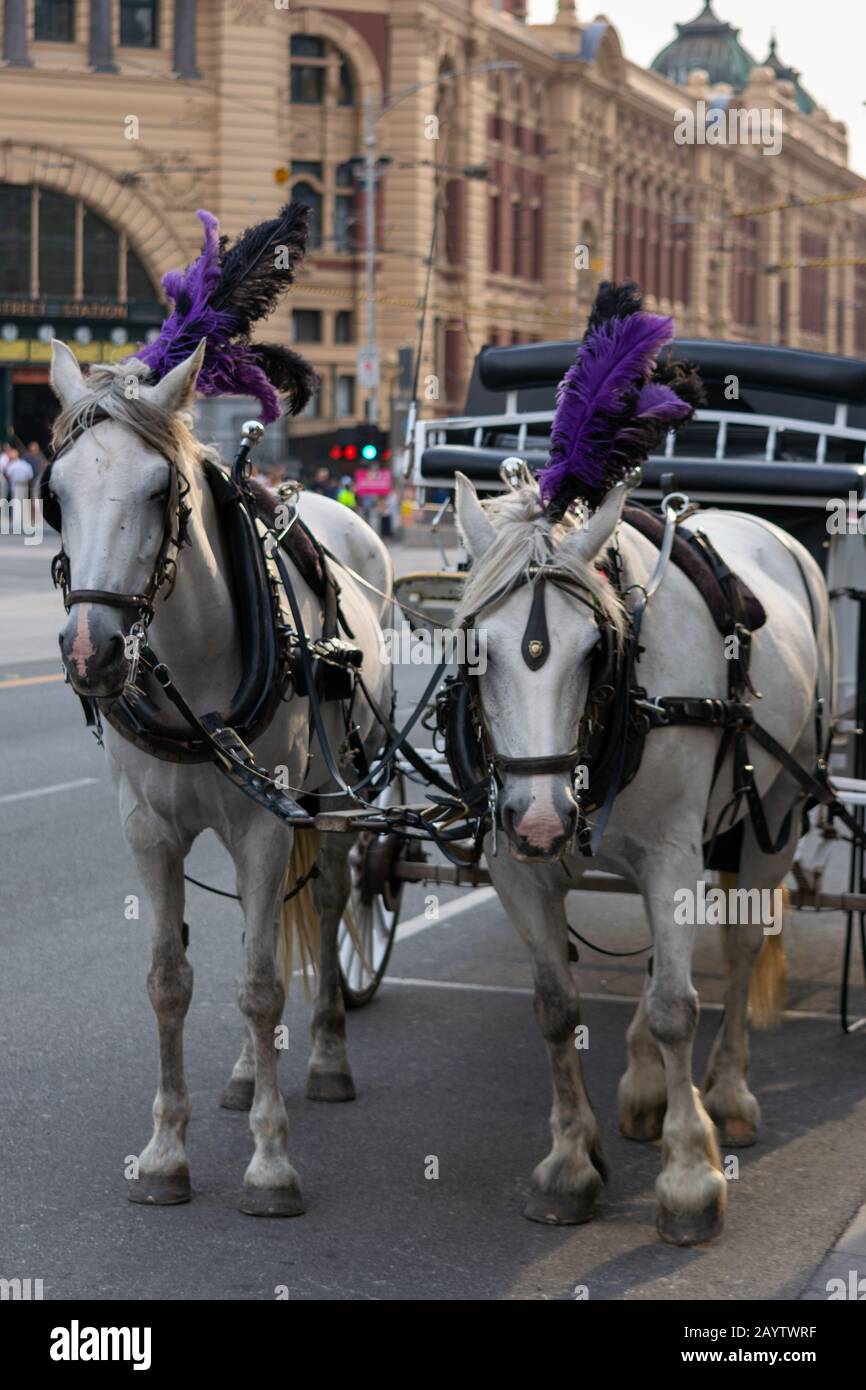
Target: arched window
76	254
320	73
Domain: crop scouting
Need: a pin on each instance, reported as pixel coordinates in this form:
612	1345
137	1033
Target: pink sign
373	482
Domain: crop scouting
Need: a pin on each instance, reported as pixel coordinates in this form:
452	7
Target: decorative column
101	43
185	39
15	35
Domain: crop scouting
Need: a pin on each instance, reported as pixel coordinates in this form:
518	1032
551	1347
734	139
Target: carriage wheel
373	909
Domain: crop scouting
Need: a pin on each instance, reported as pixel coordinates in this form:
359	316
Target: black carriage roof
778	423
787	381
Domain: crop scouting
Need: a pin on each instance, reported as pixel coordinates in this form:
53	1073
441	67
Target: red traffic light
350	451
335	452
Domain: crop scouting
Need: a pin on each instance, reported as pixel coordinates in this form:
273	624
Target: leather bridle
164	572
535	649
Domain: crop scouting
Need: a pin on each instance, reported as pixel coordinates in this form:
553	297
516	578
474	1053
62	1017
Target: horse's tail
300	919
767	985
767	982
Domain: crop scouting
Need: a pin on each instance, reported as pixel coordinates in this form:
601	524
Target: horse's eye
161	495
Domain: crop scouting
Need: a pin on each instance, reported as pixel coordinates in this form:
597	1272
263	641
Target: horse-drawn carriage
266	674
782	436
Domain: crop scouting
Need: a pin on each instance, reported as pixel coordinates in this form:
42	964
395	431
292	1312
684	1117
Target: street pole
370	220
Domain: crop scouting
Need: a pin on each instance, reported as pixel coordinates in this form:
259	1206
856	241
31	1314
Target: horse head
113	488
541	609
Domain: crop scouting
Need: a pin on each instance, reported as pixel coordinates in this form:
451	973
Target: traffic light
360	445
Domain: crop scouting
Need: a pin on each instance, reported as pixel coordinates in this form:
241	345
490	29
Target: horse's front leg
642	1090
163	1168
690	1189
329	1076
566	1183
271	1186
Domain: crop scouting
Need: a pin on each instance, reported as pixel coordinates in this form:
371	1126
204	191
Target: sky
825	40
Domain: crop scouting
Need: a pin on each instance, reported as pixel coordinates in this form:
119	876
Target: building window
306	193
344	396
745	281
344	207
313	409
319	73
71	235
139	24
344	328
15	203
813	284
494	233
346	87
101	258
54	21
537	245
57	232
860	308
306	325
138	286
516	239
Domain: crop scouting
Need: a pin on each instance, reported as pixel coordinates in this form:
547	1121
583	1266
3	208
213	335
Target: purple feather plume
596	402
219	297
658	402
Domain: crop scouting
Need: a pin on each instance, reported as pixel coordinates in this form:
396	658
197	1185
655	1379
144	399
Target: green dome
786	74
710	43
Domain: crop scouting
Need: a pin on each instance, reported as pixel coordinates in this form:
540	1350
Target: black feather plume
288	372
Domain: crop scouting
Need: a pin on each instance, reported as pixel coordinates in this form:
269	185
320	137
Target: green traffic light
369	451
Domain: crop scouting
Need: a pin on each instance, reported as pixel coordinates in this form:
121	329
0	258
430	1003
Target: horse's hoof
562	1208
160	1189
272	1201
644	1126
330	1085
736	1133
691	1227
238	1094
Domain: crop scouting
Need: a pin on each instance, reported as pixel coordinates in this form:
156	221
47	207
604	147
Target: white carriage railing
429	433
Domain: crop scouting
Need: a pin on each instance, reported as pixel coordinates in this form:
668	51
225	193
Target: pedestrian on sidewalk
20	475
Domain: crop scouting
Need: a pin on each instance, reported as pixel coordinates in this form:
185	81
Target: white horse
655	832
111	480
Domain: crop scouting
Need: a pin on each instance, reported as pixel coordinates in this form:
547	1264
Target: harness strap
108	598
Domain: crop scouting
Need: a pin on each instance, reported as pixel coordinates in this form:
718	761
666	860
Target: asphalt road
448	1063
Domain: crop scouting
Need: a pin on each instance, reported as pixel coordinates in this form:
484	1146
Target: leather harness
619	714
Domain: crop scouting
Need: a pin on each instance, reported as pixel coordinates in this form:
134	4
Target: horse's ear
476	528
176	391
66	379
586	543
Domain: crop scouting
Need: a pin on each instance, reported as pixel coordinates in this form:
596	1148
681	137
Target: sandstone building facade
515	164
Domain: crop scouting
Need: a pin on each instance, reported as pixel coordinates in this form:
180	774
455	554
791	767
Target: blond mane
109	395
526	536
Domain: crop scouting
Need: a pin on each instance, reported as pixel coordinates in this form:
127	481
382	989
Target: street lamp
373	168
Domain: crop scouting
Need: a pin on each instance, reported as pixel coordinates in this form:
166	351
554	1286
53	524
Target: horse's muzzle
539	816
92	651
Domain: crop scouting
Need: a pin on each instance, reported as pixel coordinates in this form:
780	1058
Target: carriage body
782	435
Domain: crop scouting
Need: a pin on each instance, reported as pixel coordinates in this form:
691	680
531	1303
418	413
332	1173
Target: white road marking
45	791
594	998
450	909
